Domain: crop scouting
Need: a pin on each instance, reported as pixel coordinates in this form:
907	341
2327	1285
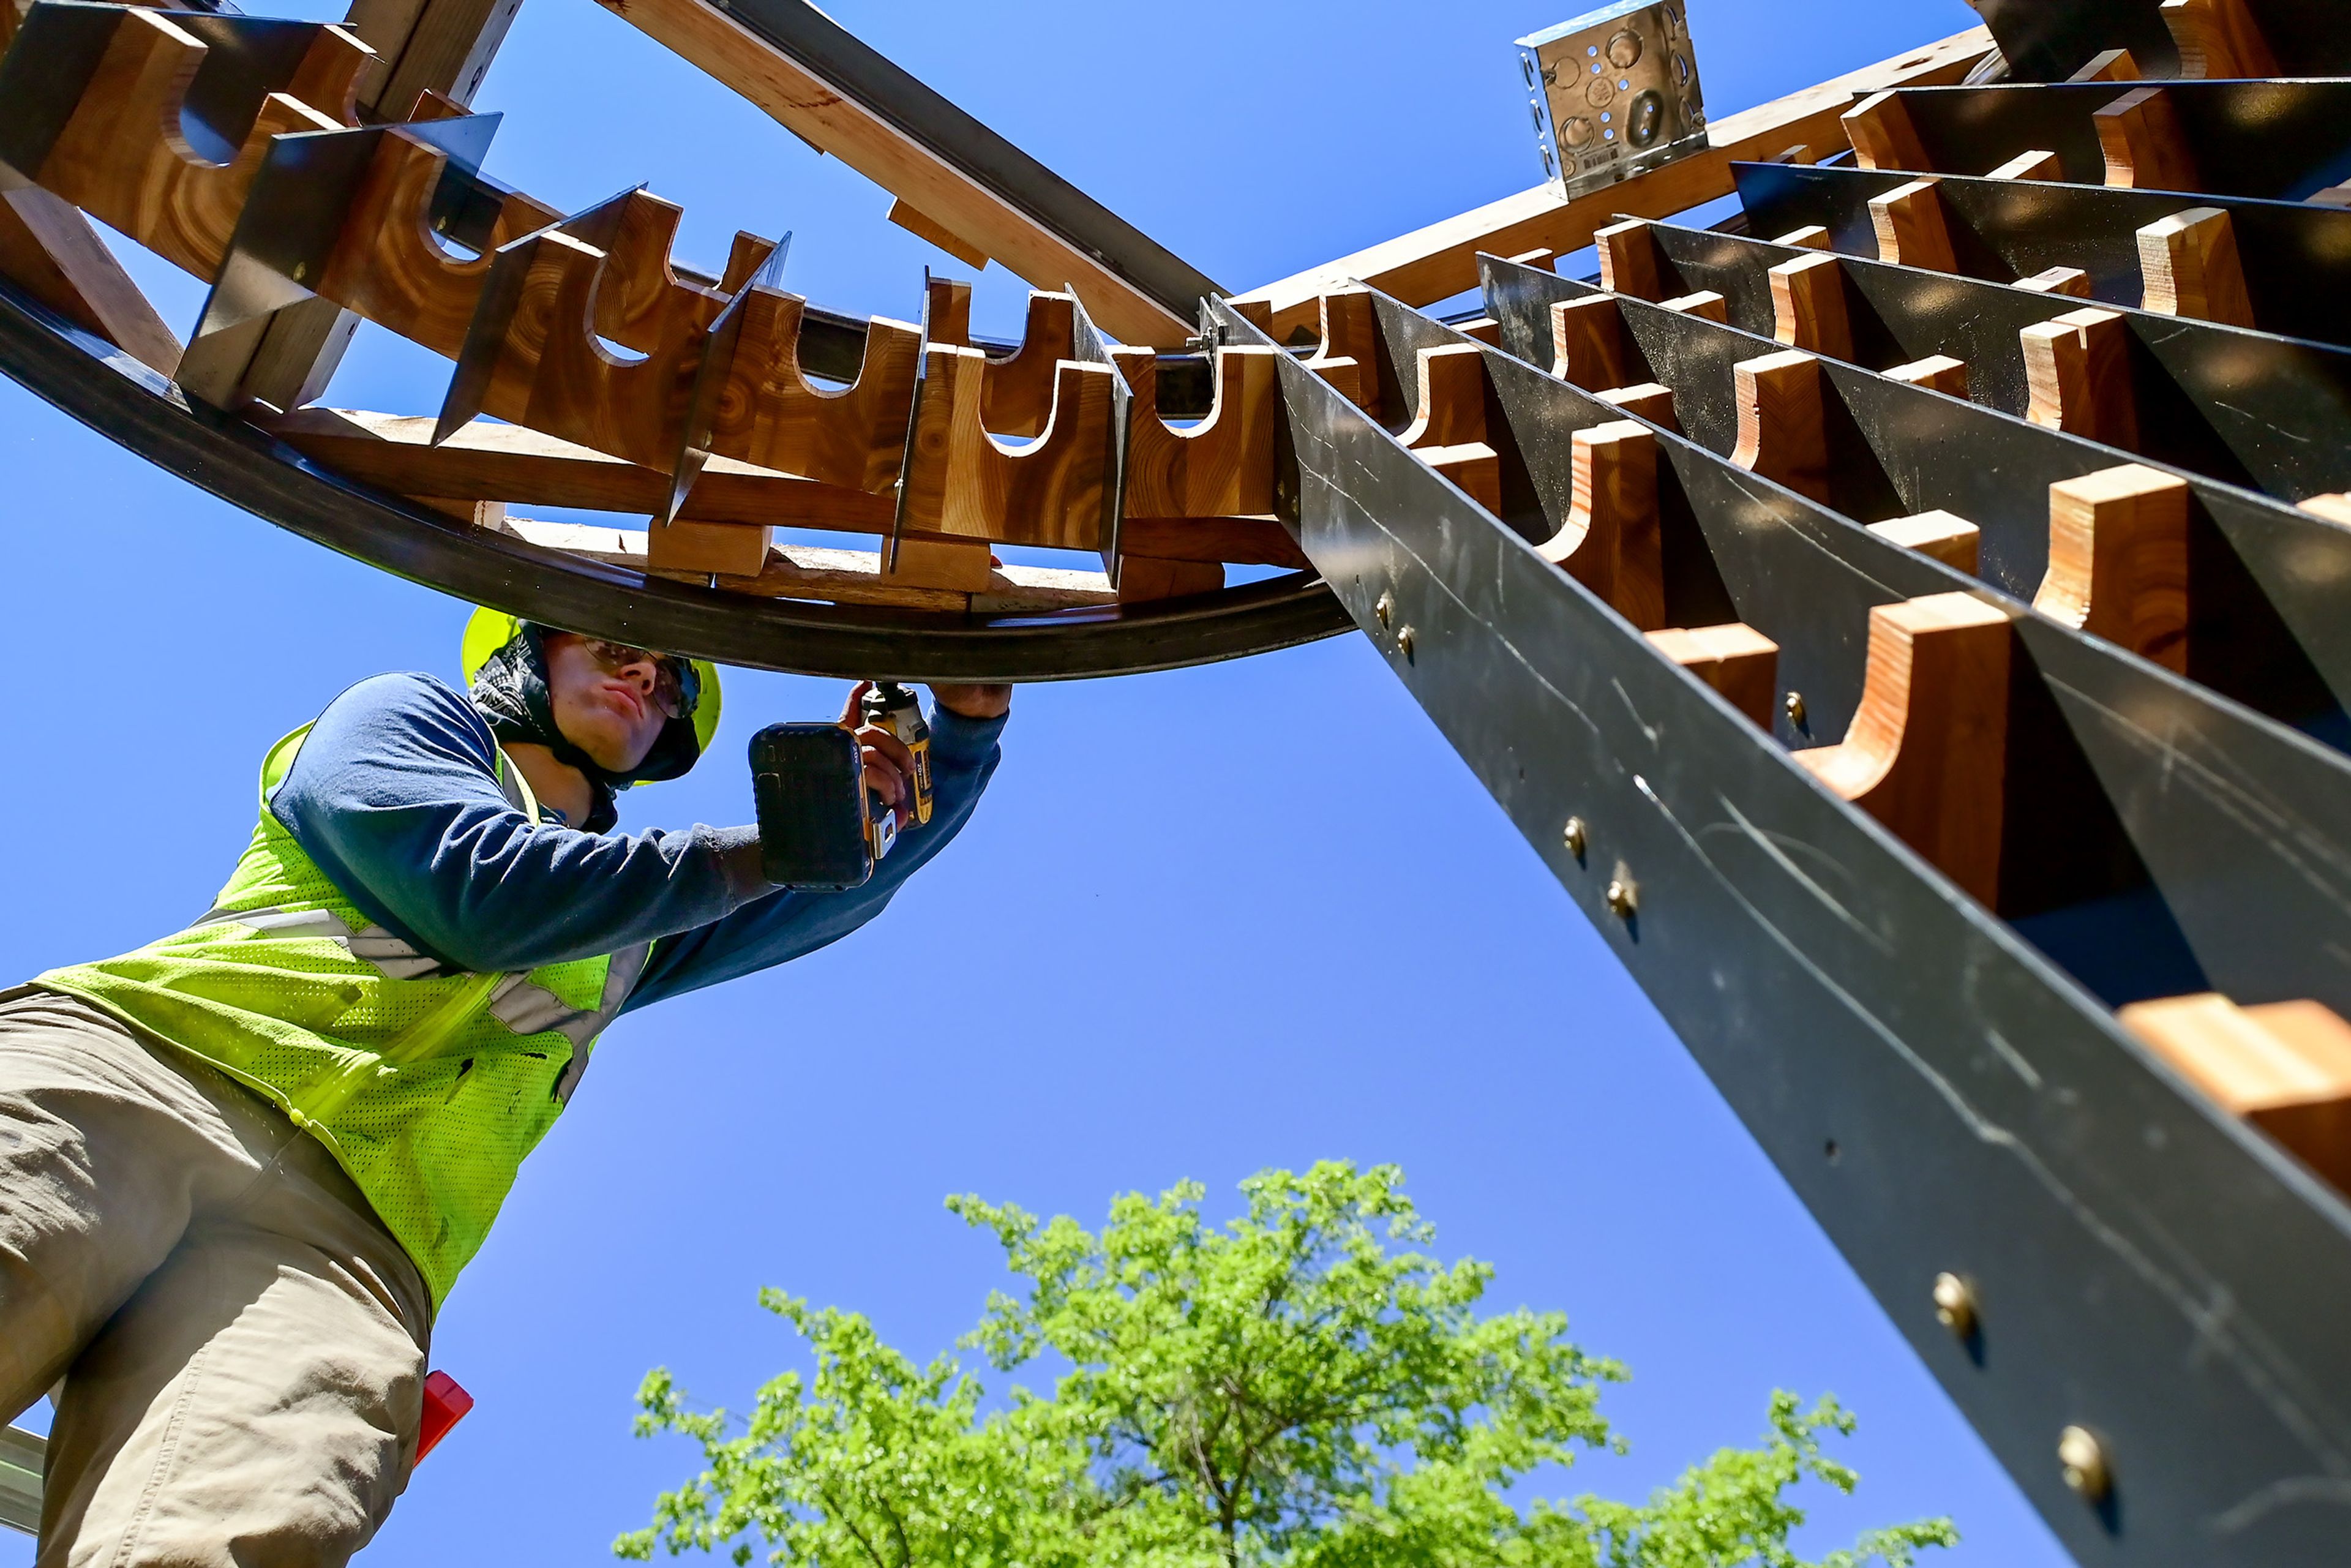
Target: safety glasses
677	686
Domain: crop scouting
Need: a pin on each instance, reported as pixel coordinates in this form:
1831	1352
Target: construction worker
241	1167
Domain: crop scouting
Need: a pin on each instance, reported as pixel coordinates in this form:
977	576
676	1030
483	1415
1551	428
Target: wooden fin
2219	40
1937	372
2118	561
1348	356
1484	329
1449	432
49	249
1628	260
1547	259
962	484
1811	237
1808	305
1735	660
387	266
1706	303
770	414
1883	136
1927	752
1646	400
2068	280
1587	341
2334	508
2192	268
2034	165
1610	542
1783	422
947	311
1221	466
1953	540
2144	147
1911	228
2286	1067
2078	369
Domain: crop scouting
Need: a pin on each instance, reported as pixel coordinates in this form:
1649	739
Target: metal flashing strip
22	1458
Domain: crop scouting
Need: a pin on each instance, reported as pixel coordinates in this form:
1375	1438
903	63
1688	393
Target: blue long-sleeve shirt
395	796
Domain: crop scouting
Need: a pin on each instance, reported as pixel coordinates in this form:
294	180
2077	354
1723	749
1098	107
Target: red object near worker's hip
445	1403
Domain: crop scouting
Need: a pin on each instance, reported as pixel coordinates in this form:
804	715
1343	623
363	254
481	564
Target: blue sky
1206	923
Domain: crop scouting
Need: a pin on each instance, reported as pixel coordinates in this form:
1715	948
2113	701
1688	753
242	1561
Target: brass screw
1623	896
1403	642
1384	609
301	270
1573	837
1955	1305
1795	706
2084	1461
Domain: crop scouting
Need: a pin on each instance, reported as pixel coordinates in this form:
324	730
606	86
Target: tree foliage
1299	1388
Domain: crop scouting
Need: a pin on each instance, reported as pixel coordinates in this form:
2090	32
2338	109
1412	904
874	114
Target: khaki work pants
242	1341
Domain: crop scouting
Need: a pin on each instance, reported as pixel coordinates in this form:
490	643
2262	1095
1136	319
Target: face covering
512	693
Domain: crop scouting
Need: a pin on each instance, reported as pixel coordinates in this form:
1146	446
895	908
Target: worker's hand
973	702
889	765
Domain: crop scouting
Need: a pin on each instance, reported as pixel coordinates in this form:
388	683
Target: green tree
1285	1391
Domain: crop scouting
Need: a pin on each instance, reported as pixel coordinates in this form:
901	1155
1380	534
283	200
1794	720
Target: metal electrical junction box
1614	93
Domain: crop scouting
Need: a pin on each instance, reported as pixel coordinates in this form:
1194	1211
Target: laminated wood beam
1936	372
2078	369
1883	137
947	311
1449	432
1017	394
1783	422
2119	562
2192	268
1735	660
962	487
1927	752
1911	228
1441	259
2144	147
2217	39
2286	1067
1587	343
1221	466
1953	540
1610	540
1808	305
769	414
49	249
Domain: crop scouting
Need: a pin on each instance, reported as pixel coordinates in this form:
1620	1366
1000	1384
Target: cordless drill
820	824
895	709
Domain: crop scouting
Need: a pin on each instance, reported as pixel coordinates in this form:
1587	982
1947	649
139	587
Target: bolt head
1795	709
1955	1305
1571	837
2083	1460
1404	642
1624	897
1385	608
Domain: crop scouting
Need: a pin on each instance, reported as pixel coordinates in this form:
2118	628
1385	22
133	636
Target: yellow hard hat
490	630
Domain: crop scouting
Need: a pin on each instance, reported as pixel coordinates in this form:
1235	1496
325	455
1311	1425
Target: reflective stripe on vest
429	1084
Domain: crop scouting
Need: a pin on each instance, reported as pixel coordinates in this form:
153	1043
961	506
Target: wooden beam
818	111
1587	343
2144	147
2286	1067
1883	137
1911	228
49	249
1953	540
2077	372
1628	260
1808	305
1936	372
1431	263
2217	39
2192	267
1449	432
1927	752
1609	541
2119	562
2034	165
1221	466
903	214
1735	660
1784	423
1706	304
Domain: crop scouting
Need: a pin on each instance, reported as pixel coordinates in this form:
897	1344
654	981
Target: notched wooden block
1808	305
1610	540
1883	136
1782	422
2034	165
1017	392
1811	237
1221	466
1645	400
2190	263
2118	561
2219	40
1706	303
2077	372
1587	341
1348	356
2145	147
1628	260
962	483
1927	752
1735	659
727	549
1449	432
1937	372
2286	1067
1952	540
2068	280
1911	228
